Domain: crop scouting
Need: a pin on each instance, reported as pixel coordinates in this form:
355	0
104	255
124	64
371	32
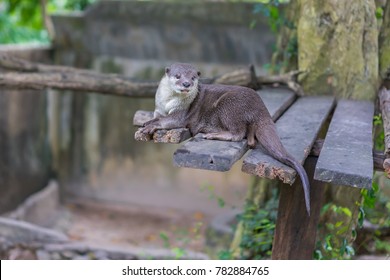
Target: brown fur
230	113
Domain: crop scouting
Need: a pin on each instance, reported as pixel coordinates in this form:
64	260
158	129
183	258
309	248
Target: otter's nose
186	84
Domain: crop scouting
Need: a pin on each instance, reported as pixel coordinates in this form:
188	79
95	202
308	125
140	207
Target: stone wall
24	148
94	153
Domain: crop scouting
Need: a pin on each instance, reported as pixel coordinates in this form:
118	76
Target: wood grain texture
346	157
221	155
298	129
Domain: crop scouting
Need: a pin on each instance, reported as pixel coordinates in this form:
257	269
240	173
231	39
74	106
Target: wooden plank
346	157
221	155
277	100
173	136
298	129
295	232
141	117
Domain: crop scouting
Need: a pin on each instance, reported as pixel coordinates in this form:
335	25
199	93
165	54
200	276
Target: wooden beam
298	129
346	157
221	155
295	232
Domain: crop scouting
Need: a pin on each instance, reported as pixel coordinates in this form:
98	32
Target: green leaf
346	211
354	233
179	252
328	243
379	13
165	239
325	208
221	202
361	216
339	224
318	255
375	187
342	230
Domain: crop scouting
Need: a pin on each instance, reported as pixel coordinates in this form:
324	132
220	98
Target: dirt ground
98	224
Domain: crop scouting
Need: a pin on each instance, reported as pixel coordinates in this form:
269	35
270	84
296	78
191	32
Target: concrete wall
24	147
212	32
93	147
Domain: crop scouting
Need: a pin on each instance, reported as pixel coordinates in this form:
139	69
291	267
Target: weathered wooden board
173	136
209	154
141	117
221	155
298	129
277	100
346	157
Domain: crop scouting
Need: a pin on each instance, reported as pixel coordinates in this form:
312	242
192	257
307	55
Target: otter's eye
193	78
177	76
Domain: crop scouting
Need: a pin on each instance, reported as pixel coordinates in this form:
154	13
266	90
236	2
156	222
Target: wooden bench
346	157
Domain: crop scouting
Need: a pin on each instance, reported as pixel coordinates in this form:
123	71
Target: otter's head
183	78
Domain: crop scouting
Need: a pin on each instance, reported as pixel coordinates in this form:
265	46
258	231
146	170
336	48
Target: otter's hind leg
250	136
224	136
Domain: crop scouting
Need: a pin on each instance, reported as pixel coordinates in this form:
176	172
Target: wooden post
295	232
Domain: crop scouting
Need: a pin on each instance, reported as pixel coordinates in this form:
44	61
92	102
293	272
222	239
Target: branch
78	81
384	104
289	79
242	77
40	76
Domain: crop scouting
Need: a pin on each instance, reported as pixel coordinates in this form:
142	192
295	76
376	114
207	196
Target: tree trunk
384	42
338	47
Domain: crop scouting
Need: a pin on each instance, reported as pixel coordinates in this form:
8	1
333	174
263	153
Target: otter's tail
270	141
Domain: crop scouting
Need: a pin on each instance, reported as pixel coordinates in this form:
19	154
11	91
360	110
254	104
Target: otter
219	112
176	90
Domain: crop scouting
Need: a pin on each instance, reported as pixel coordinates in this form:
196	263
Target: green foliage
26	13
259	226
286	48
379	141
375	208
11	32
379	13
337	243
270	10
21	20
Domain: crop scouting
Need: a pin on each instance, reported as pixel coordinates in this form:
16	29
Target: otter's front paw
148	129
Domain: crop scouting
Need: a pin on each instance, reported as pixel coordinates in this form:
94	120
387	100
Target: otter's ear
199	73
167	70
